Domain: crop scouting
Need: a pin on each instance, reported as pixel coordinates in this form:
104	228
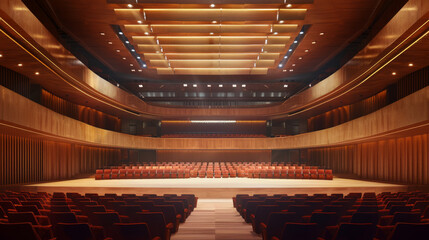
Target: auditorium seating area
400	215
40	216
214	170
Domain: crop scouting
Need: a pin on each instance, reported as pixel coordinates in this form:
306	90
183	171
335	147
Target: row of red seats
210	173
234	164
216	170
354	216
73	216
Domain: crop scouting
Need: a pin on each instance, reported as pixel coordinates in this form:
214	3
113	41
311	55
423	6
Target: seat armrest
169	226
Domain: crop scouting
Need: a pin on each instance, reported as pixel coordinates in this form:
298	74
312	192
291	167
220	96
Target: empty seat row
336	216
61	215
216	170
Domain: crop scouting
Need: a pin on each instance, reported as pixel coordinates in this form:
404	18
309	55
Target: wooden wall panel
403	160
405	114
404	87
213	155
25	160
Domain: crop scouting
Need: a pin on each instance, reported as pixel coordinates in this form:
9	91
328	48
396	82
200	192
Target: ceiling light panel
196	38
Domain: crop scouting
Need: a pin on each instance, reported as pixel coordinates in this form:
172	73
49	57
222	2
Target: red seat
156	224
313	174
299	231
18	231
98	174
328	174
131	231
321	173
115	174
291	174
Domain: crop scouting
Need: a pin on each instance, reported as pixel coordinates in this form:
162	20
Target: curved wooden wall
407	114
403	159
389	42
24	160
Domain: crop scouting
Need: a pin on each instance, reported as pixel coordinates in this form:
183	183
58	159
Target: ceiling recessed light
280	65
295	41
300	58
285	57
144	65
138	57
293	65
281	21
140	85
275	33
209	85
110	43
321	34
220	85
121	33
185	85
393	73
140	21
214	21
285	85
117	50
313	42
289	5
194	85
284	70
301	32
211	33
133	50
19	64
291	70
140	70
133	70
1	55
37	73
243	85
130	5
124	58
212	5
102	34
410	64
127	42
234	85
131	64
146	33
306	50
290	50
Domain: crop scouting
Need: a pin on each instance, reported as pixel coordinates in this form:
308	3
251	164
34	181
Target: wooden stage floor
214	187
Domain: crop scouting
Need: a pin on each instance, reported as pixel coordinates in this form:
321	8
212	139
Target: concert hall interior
236	111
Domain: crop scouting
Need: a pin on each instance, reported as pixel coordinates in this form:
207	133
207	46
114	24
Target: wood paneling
25	160
405	86
404	159
15	82
22	115
81	113
213	155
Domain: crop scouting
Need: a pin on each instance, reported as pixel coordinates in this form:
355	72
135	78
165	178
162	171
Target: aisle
215	219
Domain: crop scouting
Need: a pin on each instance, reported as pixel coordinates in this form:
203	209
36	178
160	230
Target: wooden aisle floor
215	219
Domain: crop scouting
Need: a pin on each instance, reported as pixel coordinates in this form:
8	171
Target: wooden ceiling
214	42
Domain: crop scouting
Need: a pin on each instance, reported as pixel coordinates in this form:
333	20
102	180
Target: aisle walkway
215	219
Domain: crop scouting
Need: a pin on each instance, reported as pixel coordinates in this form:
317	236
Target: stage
214	187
